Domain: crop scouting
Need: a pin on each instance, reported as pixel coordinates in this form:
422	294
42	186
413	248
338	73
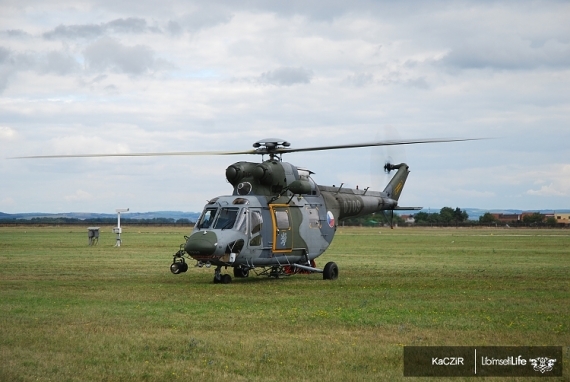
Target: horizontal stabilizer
409	208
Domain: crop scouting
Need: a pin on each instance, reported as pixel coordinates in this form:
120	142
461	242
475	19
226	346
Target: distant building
562	218
408	219
507	218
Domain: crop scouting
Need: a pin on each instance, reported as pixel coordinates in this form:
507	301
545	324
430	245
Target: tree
447	215
534	219
421	217
551	221
487	218
424	218
460	216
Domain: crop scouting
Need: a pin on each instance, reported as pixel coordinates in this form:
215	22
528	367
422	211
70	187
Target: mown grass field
70	312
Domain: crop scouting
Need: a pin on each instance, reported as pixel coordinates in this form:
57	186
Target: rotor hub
271	146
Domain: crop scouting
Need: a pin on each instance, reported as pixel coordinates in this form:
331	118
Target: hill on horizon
176	215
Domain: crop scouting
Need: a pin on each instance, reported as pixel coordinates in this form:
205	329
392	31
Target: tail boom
349	203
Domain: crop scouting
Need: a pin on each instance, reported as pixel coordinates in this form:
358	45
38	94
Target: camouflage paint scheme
298	217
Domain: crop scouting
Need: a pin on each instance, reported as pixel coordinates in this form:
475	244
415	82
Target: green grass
70	312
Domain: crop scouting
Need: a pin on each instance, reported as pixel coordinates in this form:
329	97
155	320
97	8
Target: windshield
226	218
207	218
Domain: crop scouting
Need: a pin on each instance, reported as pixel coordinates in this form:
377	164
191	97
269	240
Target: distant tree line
450	217
531	220
96	221
447	216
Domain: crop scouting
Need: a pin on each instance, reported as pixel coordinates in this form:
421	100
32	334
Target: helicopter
277	220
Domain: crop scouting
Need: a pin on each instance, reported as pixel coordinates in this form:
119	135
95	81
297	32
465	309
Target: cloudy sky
88	76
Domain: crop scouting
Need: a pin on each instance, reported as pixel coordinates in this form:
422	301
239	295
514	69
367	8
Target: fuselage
276	215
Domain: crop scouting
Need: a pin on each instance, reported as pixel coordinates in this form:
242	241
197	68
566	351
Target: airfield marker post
118	229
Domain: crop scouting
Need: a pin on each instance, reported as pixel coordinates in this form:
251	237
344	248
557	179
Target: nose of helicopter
201	244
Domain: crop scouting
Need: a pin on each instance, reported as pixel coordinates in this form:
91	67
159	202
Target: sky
88	76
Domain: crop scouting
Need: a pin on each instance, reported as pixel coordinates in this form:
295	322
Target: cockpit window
256	225
207	218
256	222
305	174
226	218
241	224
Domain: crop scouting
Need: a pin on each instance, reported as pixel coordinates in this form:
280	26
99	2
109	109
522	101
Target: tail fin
394	188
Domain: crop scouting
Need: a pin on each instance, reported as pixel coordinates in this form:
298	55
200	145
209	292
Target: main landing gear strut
219	278
239	272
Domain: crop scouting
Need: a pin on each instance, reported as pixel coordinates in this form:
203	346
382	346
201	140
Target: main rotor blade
380	143
179	153
260	150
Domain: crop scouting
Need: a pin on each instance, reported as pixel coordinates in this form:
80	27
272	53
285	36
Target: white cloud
7	202
557	182
79	195
7	133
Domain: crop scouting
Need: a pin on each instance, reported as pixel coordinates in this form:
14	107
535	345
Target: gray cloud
206	17
360	79
104	54
11	63
4	76
420	83
287	76
75	31
319	10
127	25
4	54
108	53
509	54
17	61
15	33
59	63
174	28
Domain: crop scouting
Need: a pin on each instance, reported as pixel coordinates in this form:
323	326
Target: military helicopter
277	220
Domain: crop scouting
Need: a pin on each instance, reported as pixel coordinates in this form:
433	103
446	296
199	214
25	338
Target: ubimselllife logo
484	361
542	364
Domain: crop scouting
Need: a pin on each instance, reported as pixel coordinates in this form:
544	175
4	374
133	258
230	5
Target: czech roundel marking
330	219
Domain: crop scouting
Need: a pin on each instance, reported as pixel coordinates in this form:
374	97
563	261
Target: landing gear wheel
175	268
241	272
226	279
330	272
219	278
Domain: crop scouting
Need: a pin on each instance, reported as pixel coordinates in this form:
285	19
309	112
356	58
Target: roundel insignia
330	219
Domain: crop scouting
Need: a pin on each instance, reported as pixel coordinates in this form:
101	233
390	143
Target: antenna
118	229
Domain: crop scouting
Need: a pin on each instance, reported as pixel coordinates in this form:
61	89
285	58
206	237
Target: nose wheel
221	279
178	265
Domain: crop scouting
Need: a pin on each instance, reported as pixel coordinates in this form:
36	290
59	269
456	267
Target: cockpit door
282	233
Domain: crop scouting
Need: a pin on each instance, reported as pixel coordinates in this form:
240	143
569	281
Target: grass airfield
71	312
